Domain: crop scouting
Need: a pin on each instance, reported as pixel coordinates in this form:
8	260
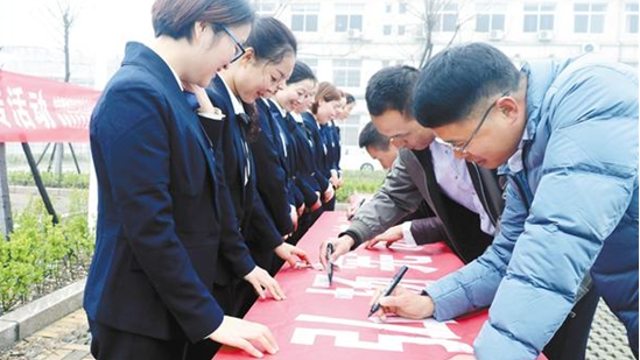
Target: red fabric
40	110
309	324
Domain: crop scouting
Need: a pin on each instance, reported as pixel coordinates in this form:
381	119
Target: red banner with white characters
318	321
40	110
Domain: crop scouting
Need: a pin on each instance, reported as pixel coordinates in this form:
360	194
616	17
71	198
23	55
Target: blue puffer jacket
574	207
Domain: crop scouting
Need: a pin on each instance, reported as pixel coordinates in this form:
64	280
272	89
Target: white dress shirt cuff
407	235
212	116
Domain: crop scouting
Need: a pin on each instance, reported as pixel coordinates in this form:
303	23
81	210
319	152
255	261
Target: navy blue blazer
331	137
287	151
273	169
256	225
319	149
306	172
161	200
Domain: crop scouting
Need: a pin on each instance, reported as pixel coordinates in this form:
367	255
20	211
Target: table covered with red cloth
318	321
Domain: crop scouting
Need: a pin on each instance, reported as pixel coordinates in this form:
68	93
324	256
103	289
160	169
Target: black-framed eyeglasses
463	148
240	50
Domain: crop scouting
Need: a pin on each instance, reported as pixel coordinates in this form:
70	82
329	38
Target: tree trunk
58	157
6	219
67	57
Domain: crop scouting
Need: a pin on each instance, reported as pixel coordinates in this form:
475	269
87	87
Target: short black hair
301	72
391	89
454	80
369	136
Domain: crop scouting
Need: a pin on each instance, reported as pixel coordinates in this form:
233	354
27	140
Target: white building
347	41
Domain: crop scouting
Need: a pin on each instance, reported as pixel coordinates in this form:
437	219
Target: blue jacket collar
138	54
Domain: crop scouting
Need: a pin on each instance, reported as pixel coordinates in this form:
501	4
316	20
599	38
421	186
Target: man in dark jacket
425	171
466	199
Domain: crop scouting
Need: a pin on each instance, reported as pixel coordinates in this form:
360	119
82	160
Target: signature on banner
363	286
431	333
386	262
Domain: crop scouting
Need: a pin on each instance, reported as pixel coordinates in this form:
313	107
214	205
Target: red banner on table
318	321
39	110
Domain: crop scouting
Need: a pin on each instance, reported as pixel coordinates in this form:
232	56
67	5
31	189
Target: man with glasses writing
567	133
466	198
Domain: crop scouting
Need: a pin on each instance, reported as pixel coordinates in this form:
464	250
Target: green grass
360	182
355	181
50	180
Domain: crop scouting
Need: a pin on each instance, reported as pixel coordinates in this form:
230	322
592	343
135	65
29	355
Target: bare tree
432	17
277	12
64	14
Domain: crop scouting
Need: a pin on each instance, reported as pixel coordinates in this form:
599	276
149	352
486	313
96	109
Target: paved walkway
68	339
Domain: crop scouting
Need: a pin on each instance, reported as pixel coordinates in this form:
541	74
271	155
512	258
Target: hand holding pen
399	301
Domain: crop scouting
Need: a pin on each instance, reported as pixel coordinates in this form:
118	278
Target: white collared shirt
239	109
452	174
297	117
454	179
212	116
283	112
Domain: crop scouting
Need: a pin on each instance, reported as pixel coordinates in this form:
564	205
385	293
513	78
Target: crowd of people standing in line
216	149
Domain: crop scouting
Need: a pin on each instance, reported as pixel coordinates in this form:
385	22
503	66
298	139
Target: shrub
40	256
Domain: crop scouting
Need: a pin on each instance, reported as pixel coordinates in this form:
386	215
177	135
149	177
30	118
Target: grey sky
102	29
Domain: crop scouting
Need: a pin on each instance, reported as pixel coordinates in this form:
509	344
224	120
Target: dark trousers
305	222
108	343
570	341
331	205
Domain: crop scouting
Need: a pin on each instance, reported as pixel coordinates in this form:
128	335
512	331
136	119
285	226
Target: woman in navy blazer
161	219
266	64
298	95
274	154
325	107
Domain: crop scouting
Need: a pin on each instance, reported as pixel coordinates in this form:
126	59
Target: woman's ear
248	57
199	30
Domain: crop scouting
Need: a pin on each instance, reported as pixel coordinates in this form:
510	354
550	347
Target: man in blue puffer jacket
568	132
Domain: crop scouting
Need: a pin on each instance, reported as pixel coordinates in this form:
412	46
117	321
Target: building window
313	64
447	19
388	8
401	30
349	17
632	18
589	18
346	72
403	8
490	17
386	30
304	17
265	8
350	131
539	16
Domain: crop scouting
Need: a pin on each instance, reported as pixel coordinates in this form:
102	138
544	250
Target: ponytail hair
326	92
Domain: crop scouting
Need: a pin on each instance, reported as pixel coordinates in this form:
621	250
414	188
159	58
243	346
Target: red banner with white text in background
34	109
